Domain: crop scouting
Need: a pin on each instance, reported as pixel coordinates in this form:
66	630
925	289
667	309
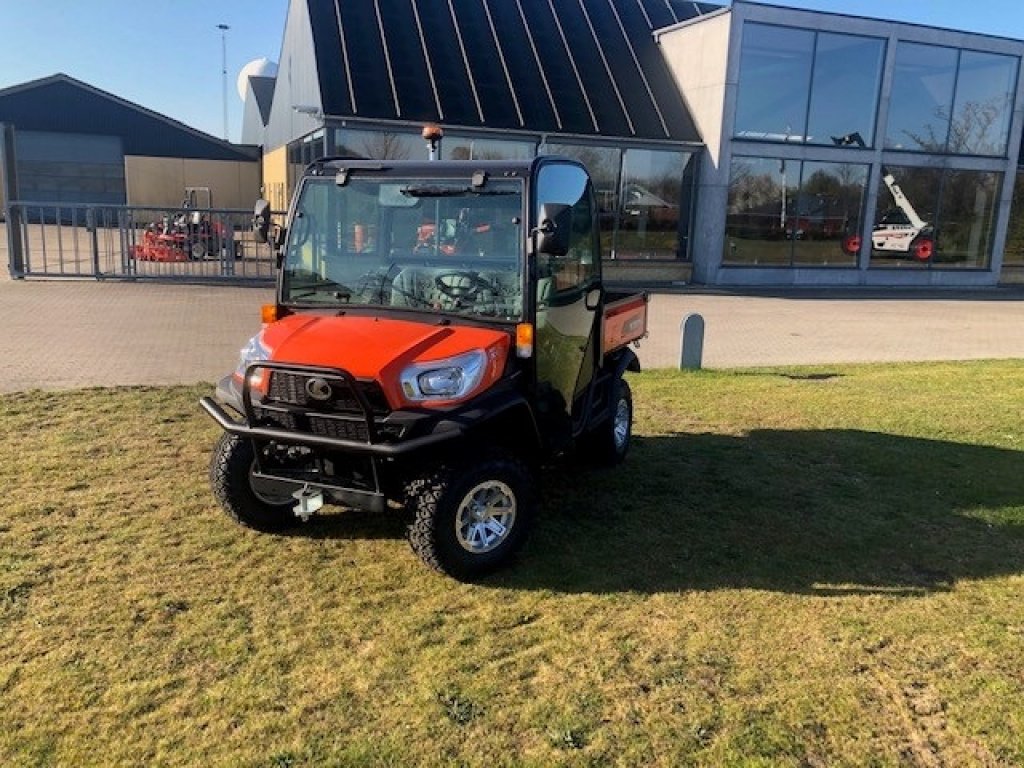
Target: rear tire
241	497
608	444
923	248
470	520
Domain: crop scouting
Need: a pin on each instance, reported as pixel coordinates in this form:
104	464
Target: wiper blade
435	191
316	286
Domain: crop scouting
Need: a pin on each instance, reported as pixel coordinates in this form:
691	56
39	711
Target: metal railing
135	243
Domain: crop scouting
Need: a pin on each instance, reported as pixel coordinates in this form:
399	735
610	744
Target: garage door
70	168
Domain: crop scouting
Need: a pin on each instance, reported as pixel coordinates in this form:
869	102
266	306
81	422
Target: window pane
762	192
825	223
380	145
775	79
844	95
984	102
649	217
603	165
922	97
1014	251
966	219
468	148
903	234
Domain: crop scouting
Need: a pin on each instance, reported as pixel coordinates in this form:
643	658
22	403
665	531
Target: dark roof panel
451	79
583	47
369	65
409	64
85	109
263	91
587	67
558	68
331	56
520	57
489	79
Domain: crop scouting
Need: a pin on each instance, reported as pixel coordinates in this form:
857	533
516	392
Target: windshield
435	245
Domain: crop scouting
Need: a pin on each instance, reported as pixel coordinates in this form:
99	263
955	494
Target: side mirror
553	229
261	220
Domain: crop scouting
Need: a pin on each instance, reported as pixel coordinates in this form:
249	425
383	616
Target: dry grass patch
794	567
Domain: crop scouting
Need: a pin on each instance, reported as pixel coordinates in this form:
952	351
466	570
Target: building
748	145
78	144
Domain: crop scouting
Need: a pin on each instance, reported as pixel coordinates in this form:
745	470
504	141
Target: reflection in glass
469	148
922	97
762	192
844	95
904	230
825	224
984	102
379	145
775	78
649	216
966	219
1013	253
603	165
784	213
927	217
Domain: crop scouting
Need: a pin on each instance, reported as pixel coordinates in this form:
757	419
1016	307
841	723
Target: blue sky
166	54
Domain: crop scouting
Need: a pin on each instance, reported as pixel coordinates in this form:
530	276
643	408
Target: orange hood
374	347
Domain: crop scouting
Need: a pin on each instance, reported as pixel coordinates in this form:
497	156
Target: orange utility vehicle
440	330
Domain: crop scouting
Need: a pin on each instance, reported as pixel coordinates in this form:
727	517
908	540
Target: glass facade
801	86
784	213
945	100
1013	253
473	148
933	218
644	198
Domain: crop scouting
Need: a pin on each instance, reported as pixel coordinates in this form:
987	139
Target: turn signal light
524	340
268	313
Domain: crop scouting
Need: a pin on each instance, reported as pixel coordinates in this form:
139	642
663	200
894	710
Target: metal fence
135	243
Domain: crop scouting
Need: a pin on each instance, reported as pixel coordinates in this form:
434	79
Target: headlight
253	352
444	379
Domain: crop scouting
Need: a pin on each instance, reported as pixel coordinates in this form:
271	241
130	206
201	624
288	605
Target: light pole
224	72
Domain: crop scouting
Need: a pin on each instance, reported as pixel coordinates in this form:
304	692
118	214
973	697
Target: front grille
290	388
325	426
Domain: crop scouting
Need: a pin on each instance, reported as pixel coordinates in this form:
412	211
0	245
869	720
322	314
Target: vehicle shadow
828	512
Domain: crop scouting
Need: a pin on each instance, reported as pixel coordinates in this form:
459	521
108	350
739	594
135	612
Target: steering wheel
459	284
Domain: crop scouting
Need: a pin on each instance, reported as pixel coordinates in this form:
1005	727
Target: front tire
470	520
244	498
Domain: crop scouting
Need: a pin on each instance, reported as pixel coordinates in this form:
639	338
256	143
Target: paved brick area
65	334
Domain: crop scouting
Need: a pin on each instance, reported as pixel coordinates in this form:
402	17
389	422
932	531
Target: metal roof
588	67
62	104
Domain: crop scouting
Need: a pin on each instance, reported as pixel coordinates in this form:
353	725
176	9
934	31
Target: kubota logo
319	389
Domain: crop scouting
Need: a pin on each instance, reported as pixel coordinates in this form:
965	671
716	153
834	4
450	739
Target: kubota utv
440	331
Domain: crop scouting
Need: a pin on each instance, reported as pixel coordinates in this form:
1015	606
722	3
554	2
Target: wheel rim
620	427
267	491
486	516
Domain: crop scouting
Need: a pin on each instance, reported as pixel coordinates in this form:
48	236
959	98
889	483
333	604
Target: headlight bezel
254	351
465	371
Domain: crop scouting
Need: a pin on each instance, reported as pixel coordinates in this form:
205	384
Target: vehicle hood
374	347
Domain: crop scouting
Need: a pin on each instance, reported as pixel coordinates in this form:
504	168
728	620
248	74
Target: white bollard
691	343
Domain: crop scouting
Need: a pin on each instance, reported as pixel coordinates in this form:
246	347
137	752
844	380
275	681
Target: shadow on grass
829	512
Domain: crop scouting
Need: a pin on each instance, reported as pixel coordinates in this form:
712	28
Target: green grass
801	567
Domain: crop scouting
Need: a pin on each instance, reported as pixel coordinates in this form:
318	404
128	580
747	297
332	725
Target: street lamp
224	72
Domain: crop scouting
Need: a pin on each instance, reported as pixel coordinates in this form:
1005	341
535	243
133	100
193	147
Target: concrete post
691	343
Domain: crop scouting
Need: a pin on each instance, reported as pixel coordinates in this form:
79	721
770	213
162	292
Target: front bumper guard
371	446
243	429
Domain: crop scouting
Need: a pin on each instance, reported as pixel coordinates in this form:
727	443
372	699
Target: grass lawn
801	567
